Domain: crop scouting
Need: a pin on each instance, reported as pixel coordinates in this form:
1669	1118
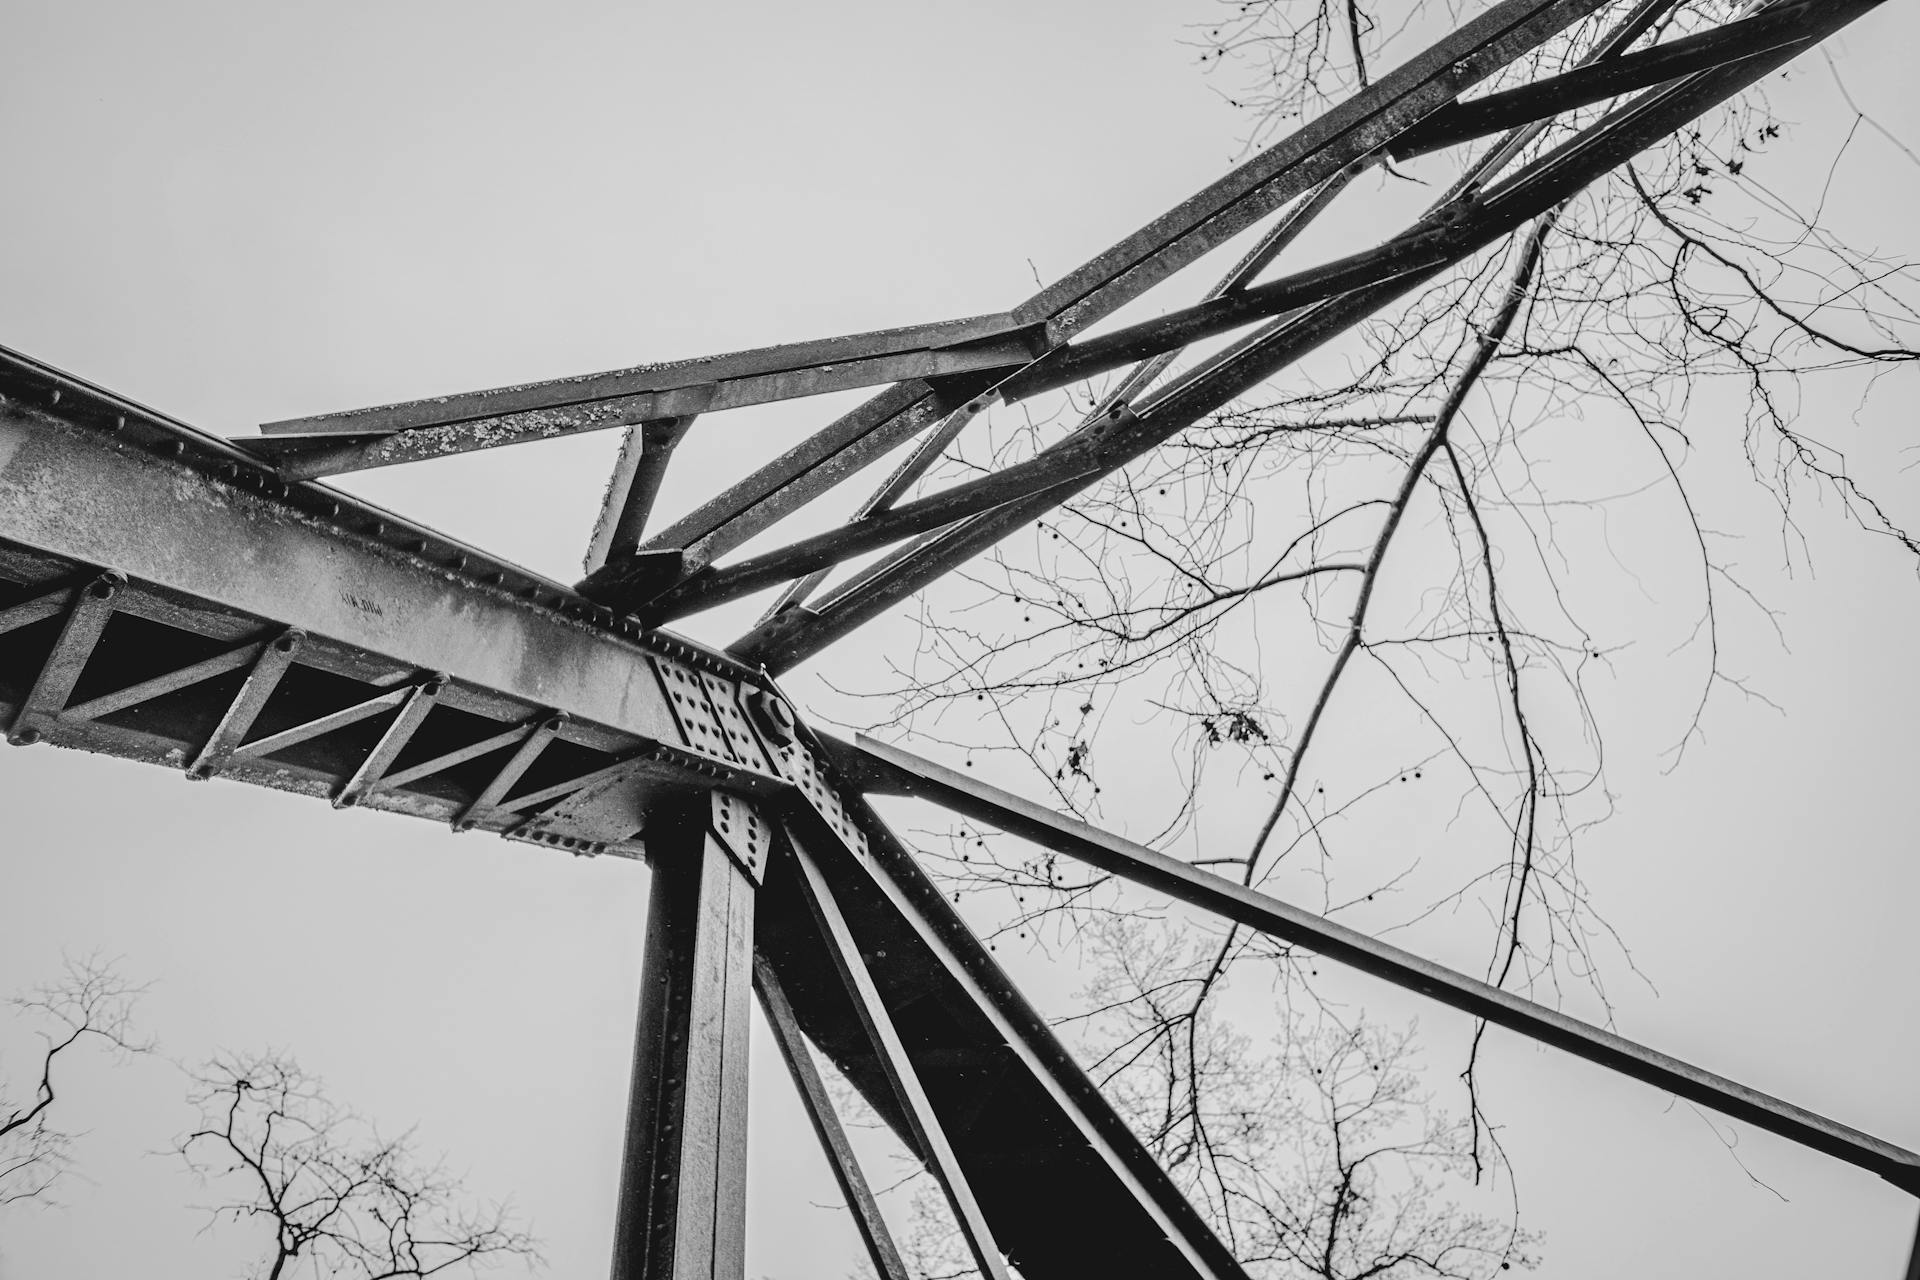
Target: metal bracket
742	832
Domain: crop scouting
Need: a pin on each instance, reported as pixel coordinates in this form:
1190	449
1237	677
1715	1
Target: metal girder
682	1208
1776	28
416	430
294	637
419	430
171	597
939	368
1301	163
202	658
1458	228
886	768
266	634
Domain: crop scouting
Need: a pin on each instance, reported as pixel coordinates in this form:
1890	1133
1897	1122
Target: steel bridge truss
211	605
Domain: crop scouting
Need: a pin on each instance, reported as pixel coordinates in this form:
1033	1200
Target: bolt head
772	716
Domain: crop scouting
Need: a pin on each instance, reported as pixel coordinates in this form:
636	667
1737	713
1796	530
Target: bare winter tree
91	1007
1374	579
334	1197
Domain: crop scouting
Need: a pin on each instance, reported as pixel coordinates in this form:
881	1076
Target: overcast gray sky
241	212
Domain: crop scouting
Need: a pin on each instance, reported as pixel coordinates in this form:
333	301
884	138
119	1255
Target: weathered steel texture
27	612
881	1250
147	690
637	476
805	471
1038	1141
1300	162
673	375
531	740
1468	226
886	768
1286	229
1294	166
33	392
336	443
60	670
277	635
417	430
682	1207
929	1135
169	597
1464	121
270	664
381	758
716	586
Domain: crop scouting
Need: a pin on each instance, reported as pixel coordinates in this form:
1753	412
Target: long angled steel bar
911	468
46	605
416	430
714	586
413	712
1037	1056
567	787
269	667
92	606
637	476
1599	81
783	640
805	471
1297	164
147	690
881	1249
930	1138
459	756
1639	20
346	446
1283	233
511	772
879	521
889	769
674	375
294	735
1242	275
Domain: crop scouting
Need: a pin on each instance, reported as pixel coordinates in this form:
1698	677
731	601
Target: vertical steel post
682	1208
